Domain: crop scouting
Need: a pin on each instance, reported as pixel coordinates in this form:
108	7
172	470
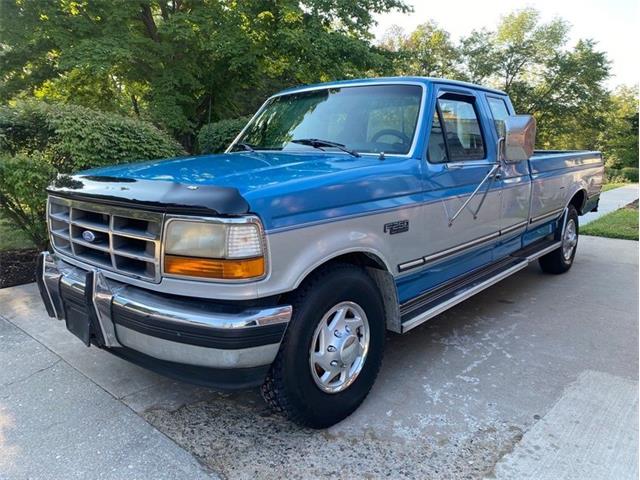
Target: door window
437	147
500	112
462	129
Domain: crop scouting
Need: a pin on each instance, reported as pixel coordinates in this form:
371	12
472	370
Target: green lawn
622	223
611	186
11	237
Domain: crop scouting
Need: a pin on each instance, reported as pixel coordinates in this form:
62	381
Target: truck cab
340	211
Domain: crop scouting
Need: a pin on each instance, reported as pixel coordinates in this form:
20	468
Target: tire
290	387
560	260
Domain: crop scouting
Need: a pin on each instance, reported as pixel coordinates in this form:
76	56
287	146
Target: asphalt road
536	377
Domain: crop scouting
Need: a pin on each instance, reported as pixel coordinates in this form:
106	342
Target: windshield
369	119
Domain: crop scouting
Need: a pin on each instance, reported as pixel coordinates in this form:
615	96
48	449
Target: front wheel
561	260
332	350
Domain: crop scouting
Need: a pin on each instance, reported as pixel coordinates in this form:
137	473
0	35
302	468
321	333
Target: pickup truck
341	211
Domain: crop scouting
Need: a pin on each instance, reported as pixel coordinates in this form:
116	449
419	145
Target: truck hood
283	188
245	171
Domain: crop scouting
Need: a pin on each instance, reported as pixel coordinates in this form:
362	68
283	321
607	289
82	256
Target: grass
11	237
622	223
611	186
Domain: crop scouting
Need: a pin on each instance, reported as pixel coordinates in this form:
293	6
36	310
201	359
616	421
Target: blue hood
284	189
245	171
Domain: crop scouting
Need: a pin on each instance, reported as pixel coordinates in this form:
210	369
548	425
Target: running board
540	253
461	296
440	300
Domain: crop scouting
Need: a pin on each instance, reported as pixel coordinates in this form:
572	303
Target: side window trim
473	101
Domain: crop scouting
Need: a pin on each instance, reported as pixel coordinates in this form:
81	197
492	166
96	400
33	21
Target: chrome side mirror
519	138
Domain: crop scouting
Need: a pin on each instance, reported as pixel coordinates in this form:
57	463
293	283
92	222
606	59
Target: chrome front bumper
172	330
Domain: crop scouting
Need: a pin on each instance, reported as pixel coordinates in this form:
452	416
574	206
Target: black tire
556	262
289	387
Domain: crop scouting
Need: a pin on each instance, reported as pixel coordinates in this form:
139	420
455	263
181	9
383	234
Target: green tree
619	139
562	87
427	51
182	63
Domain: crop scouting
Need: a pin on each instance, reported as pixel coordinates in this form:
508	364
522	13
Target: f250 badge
400	226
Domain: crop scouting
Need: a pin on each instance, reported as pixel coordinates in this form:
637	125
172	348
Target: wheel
332	349
560	260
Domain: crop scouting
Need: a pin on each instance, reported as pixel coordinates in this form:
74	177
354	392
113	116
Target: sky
614	24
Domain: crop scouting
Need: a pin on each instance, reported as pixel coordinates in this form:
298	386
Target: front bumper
201	341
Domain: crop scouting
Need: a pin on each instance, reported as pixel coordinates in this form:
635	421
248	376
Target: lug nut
331	348
347	329
334	363
337	333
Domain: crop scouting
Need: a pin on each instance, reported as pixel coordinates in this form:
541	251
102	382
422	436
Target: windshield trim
419	122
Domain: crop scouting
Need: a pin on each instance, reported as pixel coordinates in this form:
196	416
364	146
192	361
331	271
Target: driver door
460	156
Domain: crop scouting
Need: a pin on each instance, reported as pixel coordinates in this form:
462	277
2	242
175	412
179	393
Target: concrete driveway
537	377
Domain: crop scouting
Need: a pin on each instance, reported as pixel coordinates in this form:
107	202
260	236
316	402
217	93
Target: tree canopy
182	64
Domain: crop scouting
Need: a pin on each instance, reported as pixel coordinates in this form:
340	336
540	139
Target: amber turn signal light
236	269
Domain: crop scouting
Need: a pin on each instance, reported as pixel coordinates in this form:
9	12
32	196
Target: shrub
40	140
630	174
23	180
216	137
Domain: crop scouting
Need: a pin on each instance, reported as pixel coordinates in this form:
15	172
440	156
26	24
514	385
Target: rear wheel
561	260
332	350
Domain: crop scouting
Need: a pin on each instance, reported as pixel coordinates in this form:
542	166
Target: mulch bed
17	266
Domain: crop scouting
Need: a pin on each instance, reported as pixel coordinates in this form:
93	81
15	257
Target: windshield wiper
317	143
245	146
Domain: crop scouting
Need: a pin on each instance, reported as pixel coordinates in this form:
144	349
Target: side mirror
519	138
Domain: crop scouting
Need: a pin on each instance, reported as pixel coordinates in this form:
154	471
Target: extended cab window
462	129
367	119
500	113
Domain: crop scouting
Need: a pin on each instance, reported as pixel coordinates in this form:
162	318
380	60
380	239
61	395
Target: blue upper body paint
293	188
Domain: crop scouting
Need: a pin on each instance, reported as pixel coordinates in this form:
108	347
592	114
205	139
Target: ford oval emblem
88	236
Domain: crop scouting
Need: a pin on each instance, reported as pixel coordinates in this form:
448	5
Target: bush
23	180
630	174
40	140
216	137
621	175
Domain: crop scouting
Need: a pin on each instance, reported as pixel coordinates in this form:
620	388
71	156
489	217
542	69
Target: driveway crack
33	374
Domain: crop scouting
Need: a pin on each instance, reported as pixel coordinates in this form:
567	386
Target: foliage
622	223
76	138
38	141
216	137
622	175
183	63
562	86
619	139
427	51
23	180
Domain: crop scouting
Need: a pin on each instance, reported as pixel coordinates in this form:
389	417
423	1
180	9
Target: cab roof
383	80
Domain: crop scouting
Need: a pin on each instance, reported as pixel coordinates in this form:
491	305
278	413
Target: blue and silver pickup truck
341	211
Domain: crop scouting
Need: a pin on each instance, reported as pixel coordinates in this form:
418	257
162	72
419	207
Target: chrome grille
122	240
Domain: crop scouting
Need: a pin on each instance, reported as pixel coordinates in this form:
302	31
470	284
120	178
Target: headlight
230	251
